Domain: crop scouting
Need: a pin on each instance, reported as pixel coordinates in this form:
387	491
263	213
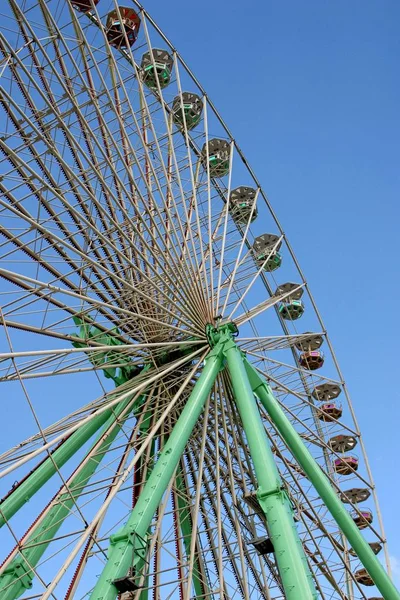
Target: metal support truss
126	566
185	521
18	574
33	482
321	484
128	547
289	553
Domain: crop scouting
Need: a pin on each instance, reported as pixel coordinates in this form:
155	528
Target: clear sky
311	92
310	89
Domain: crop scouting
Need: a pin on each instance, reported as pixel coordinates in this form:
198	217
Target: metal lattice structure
193	437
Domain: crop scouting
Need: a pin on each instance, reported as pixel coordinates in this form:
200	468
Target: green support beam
322	485
128	546
46	469
121	374
18	576
185	521
289	553
140	465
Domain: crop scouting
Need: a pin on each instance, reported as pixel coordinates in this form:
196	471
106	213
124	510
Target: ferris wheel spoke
262	516
219	563
195	515
307	512
64	503
260	270
313	435
259	309
41	133
149	162
79	570
224	216
104	403
210	284
273	342
236	571
110	404
102	236
58	240
237	262
190	149
122	480
18	242
39	286
65	81
193	201
210	451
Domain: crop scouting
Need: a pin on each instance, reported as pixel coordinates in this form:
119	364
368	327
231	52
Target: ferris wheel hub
216	334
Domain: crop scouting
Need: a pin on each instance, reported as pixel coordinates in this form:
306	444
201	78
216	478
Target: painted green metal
18	576
144	428
42	473
128	546
273	262
322	485
291	560
150	76
222	333
45	470
185	520
121	374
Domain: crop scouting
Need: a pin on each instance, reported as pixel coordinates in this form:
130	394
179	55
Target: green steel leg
17	577
39	476
322	485
144	594
289	553
185	520
128	546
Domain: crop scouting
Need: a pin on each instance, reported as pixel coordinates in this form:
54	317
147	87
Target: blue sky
311	92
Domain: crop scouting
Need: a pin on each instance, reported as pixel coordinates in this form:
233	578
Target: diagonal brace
321	484
127	546
291	560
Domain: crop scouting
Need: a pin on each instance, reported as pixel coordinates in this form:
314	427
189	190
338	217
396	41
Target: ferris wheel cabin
355	495
291	310
122	27
326	391
376	547
311	360
363	518
192	106
363	577
218	152
84	5
330	412
345	465
156	68
342	443
265	249
310	343
241	201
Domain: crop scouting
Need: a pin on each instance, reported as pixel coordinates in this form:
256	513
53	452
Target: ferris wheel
175	421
